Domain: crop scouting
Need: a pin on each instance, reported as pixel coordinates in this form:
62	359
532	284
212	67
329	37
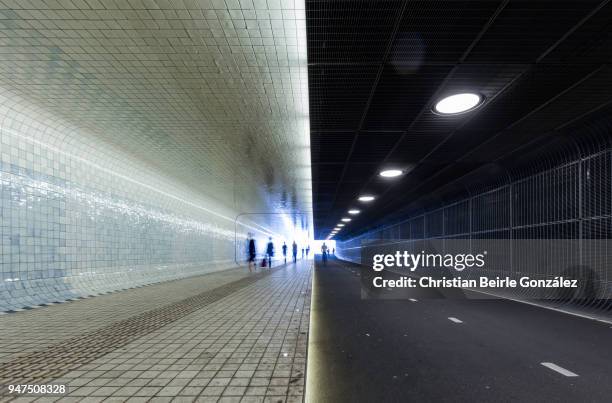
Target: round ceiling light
346	219
391	173
366	198
458	103
354	211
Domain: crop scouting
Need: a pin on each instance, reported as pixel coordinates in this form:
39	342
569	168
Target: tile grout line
33	368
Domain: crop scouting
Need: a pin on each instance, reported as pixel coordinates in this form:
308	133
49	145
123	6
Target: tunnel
314	201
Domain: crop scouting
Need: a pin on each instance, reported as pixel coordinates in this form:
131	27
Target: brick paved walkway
236	338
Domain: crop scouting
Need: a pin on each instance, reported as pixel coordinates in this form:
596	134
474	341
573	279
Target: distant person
302	253
307	250
295	252
285	251
251	251
270	252
334	251
324	252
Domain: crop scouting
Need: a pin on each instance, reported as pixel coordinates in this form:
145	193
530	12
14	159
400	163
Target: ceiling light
366	198
391	173
458	103
339	225
337	229
354	211
346	219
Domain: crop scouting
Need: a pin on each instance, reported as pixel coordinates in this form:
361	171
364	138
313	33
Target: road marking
412	299
454	320
558	369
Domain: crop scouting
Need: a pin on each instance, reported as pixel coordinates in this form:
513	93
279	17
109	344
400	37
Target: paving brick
242	341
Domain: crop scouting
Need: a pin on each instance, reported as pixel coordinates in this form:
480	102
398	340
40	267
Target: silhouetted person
324	252
307	250
285	251
302	253
334	251
270	252
251	252
295	252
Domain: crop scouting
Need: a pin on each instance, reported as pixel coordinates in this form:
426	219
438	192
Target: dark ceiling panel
327	172
355	172
526	28
437	32
338	95
399	98
412	148
372	148
331	147
590	43
349	31
377	67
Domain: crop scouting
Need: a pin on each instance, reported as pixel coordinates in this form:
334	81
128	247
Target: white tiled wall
79	217
133	133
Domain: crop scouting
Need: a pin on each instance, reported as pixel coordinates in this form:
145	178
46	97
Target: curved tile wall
79	217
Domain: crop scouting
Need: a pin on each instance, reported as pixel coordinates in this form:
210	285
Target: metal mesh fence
570	200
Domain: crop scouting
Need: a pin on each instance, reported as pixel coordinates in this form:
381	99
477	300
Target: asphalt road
436	349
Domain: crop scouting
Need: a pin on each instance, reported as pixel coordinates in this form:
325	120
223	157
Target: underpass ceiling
376	69
214	93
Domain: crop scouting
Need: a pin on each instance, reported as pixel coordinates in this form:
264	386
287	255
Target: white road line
558	369
454	320
412	299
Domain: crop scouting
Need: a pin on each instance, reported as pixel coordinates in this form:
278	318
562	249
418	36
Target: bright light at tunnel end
458	103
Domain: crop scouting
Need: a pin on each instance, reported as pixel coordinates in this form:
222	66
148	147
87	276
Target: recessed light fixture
458	103
337	229
346	219
366	198
339	225
354	211
391	173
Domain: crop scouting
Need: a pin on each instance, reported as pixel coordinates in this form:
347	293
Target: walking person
324	252
302	253
270	252
251	252
295	248
285	251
